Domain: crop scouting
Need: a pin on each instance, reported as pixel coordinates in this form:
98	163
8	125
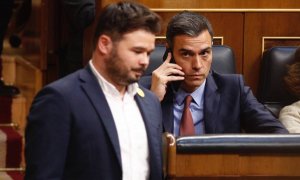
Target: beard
119	72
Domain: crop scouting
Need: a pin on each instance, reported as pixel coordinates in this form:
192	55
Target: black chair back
272	91
223	59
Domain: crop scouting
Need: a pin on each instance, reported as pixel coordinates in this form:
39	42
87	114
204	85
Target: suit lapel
168	117
211	103
154	132
167	109
91	86
145	109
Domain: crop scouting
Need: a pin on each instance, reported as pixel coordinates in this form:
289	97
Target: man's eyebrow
139	48
190	51
185	50
206	49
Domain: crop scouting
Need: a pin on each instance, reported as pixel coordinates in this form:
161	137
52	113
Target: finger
173	71
174	67
169	57
174	78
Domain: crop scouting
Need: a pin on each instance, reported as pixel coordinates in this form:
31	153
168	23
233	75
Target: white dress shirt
130	127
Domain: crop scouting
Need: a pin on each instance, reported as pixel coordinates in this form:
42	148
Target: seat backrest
223	59
223	62
272	91
156	59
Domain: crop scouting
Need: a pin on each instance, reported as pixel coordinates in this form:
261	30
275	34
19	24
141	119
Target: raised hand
165	73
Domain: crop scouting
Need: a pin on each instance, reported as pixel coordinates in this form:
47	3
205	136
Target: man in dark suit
220	103
97	123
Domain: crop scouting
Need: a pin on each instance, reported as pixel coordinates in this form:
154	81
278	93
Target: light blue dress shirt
196	108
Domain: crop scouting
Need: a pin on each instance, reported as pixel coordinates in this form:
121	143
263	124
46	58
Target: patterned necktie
186	124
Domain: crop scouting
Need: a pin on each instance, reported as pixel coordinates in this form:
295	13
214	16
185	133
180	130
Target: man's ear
104	44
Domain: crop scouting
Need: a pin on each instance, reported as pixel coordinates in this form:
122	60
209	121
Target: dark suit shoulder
66	83
226	80
226	77
66	86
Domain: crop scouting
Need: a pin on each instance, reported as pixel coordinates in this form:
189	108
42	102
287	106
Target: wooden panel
217	3
233	37
269	42
197	165
237	165
258	25
28	79
270	164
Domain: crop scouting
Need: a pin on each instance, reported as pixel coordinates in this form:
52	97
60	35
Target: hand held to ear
165	73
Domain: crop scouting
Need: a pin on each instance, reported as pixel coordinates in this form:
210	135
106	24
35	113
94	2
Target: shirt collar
197	95
110	89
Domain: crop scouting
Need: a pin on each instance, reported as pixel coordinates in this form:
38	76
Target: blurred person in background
290	115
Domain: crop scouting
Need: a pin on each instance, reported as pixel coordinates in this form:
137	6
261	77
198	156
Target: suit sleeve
47	136
255	117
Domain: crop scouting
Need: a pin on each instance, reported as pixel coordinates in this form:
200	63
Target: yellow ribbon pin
140	92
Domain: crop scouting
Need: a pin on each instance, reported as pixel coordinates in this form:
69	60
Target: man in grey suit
97	123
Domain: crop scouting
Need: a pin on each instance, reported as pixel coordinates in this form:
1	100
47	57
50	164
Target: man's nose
197	63
145	58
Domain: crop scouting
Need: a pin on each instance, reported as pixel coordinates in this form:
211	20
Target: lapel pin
140	92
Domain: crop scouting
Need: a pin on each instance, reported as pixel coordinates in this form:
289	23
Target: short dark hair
187	23
117	19
292	79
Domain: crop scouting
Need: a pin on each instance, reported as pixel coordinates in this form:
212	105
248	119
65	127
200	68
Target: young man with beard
97	123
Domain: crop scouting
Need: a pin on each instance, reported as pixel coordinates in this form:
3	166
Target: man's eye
138	52
185	54
204	53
